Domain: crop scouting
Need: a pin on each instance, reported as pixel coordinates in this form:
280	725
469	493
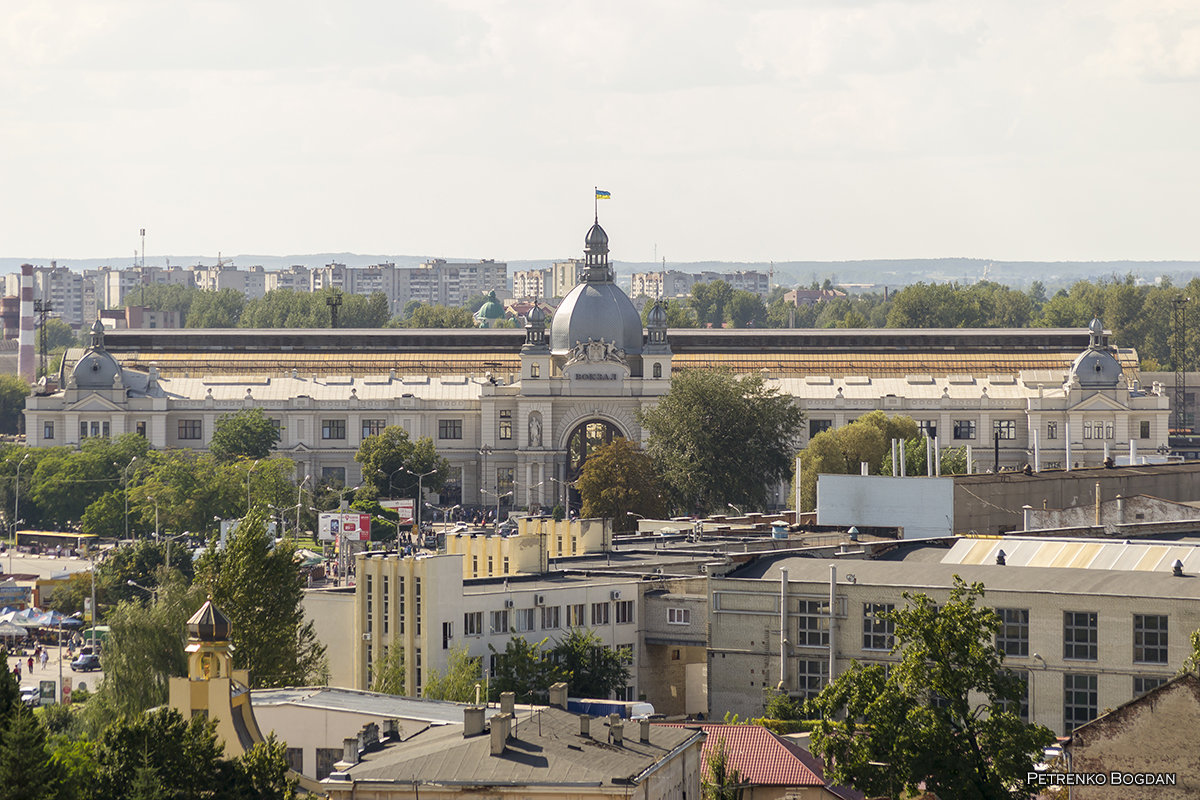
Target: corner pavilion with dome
516	412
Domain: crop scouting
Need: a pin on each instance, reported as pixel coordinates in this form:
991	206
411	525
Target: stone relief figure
535	430
595	351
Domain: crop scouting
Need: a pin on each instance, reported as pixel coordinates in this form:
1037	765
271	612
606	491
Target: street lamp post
420	493
484	451
498	497
152	592
125	473
17	504
299	489
252	466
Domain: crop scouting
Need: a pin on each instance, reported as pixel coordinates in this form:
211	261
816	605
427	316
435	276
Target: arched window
586	437
657	370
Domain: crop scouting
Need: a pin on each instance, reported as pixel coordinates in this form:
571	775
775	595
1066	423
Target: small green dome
490	310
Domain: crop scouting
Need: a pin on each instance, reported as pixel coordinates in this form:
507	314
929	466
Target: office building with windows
1088	624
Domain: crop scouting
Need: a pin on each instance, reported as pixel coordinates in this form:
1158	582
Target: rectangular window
1006	429
505	429
140	429
813	624
815	426
550	617
679	616
370	603
1087	430
386	605
326	758
447	634
295	758
333	429
191	429
1143	684
1079	635
505	477
1079	700
333	476
599	613
449	428
373	427
523	620
417	606
928	427
964	429
811	677
878	626
1021	710
83	430
535	370
47	430
500	621
624	694
1108	430
1149	639
1051	430
1144	429
575	616
95	429
105	430
624	612
473	623
1013	637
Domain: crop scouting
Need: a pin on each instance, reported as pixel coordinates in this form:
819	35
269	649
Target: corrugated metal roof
1120	555
384	706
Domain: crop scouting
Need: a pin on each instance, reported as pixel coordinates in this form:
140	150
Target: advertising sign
332	525
46	690
66	689
406	508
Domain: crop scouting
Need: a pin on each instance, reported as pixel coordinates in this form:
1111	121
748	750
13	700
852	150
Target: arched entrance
584	439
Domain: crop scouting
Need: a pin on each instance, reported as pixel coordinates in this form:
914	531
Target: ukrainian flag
603	195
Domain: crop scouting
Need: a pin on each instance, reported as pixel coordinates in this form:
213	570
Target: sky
748	130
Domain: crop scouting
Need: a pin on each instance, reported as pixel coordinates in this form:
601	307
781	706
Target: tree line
1139	315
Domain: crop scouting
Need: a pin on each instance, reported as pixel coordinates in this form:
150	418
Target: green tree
256	582
745	310
679	314
432	316
708	301
953	459
73	763
391	457
840	451
13	392
164	297
144	650
619	482
917	724
66	481
463	674
523	669
389	674
58	335
184	757
263	771
780	705
364	311
248	433
221	309
719	439
589	668
26	771
721	781
10	688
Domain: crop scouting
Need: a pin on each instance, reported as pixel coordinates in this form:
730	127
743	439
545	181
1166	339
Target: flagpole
596	203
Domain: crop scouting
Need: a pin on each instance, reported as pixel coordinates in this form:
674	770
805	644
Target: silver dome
596	310
95	370
1097	369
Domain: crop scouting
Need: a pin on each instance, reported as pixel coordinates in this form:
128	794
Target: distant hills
879	272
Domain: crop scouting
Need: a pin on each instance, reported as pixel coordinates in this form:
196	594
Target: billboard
922	508
333	525
405	507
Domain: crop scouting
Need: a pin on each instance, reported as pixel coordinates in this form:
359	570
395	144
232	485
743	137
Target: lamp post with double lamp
484	451
420	493
299	489
499	497
252	466
125	473
152	592
17	507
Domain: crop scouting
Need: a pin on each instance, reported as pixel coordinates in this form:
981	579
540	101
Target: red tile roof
762	758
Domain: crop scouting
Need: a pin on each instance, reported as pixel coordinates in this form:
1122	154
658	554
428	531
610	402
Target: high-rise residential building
446	283
564	276
297	278
674	283
533	284
62	289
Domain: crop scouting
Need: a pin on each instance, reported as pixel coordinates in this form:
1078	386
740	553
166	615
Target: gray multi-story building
674	283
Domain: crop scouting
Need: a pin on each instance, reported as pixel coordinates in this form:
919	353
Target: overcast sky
747	130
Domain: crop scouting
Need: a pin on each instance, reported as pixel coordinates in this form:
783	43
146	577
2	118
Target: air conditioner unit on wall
508	603
614	595
539	599
366	637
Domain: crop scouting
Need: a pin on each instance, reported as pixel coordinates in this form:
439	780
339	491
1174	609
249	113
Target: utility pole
334	301
43	309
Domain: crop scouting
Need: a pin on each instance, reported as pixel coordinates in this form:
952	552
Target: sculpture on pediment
535	430
596	351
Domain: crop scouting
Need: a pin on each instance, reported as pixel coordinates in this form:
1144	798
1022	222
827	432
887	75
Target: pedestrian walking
45	658
17	670
31	665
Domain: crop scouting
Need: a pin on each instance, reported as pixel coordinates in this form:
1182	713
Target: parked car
86	663
31	696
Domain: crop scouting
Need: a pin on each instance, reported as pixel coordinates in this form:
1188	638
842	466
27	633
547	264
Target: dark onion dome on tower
209	624
596	308
491	311
96	369
1097	367
657	316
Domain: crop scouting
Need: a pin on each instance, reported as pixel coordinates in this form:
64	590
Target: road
14	563
50	673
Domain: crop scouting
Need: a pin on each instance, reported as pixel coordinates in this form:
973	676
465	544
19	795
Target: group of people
40	655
